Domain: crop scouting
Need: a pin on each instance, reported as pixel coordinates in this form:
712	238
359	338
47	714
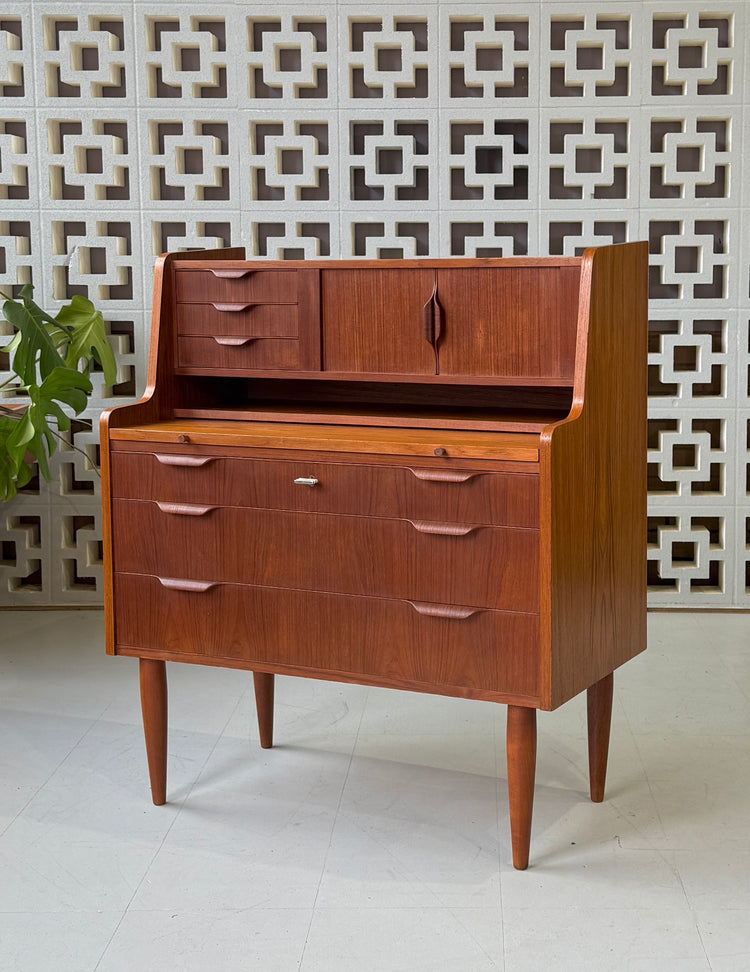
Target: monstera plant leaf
33	350
87	339
51	358
14	471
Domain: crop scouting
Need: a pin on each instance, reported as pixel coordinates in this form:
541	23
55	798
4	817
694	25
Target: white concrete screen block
414	129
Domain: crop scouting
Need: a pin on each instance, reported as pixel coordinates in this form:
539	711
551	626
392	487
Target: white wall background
355	129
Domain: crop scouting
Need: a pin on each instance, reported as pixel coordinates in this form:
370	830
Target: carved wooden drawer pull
231	274
233	342
167	460
181	584
231	308
444	610
184	509
444	529
443	475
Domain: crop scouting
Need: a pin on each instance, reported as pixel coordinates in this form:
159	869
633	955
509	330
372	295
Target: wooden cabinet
468	322
420	474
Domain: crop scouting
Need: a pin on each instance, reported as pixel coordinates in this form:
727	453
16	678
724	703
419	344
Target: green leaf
35	345
9	467
19	441
31	433
47	353
87	335
15	341
64	385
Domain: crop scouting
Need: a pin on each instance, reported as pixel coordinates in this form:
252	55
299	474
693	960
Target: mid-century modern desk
422	474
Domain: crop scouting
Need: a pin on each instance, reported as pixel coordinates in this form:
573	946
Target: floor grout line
163	840
333	828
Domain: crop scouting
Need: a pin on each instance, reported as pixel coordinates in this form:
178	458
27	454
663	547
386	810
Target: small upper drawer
238	319
429	493
229	284
227	353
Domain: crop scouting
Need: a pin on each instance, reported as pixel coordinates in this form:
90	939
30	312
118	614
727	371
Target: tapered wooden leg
599	711
520	745
264	686
153	678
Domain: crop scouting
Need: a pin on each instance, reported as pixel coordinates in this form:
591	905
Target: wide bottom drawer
379	639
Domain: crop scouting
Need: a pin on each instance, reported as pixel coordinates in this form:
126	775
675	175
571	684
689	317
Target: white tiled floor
375	835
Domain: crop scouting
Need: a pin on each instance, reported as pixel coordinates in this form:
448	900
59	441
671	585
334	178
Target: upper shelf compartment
506	322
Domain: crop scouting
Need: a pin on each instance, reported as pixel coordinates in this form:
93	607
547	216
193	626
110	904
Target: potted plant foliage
50	361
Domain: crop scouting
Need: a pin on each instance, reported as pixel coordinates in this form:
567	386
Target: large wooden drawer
448	563
222	283
451	494
379	639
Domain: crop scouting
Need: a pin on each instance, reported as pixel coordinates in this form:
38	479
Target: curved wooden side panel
593	485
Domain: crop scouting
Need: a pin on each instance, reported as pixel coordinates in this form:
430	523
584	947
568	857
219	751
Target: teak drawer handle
180	584
444	529
184	509
231	274
167	460
233	342
442	475
444	610
231	308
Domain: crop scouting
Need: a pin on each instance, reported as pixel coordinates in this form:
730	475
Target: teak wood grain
238	319
534	338
491	567
412	492
594	547
378	641
423	474
516	447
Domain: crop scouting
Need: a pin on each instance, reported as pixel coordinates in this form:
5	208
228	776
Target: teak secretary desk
422	474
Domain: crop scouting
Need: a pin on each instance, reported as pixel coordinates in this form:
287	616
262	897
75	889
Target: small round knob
183	438
440	451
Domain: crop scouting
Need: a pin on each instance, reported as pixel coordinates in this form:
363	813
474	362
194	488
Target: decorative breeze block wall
360	130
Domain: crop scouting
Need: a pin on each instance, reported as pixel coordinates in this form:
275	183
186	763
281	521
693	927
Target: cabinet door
374	321
509	322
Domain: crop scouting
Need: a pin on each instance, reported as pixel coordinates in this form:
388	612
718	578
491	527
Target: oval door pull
451	611
306	481
230	308
444	529
167	460
231	274
443	475
184	509
181	584
232	342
